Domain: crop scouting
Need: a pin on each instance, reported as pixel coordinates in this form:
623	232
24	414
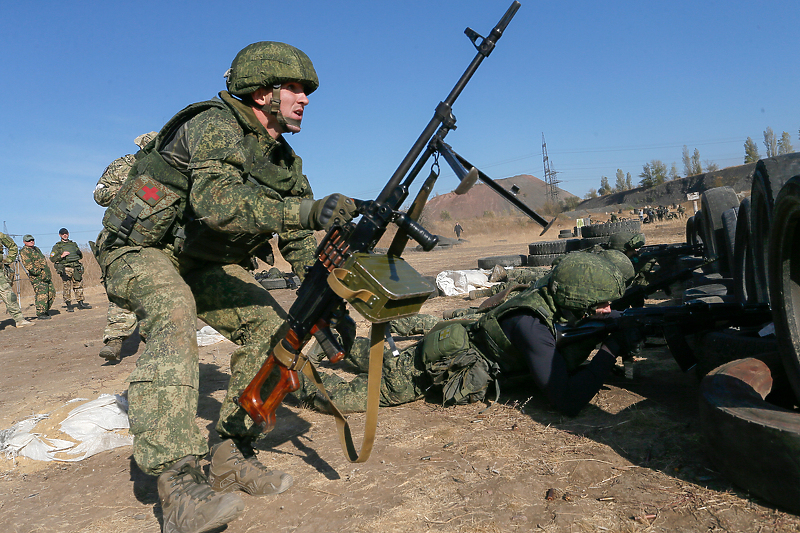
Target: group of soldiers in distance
66	257
649	214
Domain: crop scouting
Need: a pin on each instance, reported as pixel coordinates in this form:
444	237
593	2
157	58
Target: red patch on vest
151	195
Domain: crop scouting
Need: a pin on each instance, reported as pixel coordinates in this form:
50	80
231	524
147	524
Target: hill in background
481	201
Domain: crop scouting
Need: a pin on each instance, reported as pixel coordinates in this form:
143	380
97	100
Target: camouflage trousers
403	380
71	285
120	323
9	298
163	390
44	293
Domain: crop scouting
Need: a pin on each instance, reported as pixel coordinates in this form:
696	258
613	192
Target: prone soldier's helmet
582	280
626	241
270	64
621	261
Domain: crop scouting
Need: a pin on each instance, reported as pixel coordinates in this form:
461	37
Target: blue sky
610	84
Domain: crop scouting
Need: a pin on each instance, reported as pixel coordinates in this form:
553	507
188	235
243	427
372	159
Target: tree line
655	172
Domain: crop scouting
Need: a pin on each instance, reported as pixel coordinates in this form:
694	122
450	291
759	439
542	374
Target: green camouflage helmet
268	63
621	261
625	241
583	279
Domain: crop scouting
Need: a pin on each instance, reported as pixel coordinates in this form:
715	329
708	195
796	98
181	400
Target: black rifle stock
671	322
317	304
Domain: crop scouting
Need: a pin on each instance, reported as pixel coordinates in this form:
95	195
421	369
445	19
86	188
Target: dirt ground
634	460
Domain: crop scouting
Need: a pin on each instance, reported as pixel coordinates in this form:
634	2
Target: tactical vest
489	337
152	209
73	258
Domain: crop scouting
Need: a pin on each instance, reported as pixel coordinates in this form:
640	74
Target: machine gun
380	287
671	322
668	253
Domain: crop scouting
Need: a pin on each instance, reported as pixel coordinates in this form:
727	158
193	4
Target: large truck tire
729	218
743	273
769	177
784	277
752	442
713	203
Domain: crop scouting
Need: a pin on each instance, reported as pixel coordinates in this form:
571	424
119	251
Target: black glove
322	214
625	343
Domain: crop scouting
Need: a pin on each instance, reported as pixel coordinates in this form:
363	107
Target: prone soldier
462	357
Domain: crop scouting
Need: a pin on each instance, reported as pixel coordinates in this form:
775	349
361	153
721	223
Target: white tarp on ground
207	336
455	282
96	426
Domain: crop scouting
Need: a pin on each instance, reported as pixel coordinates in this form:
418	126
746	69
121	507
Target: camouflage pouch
142	212
445	341
77	272
464	377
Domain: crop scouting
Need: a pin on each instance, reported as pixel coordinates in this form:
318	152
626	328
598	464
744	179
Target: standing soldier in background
39	275
120	323
458	229
66	256
6	278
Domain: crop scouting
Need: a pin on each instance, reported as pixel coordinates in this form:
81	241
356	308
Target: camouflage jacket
34	262
244	186
488	336
8	242
74	257
112	179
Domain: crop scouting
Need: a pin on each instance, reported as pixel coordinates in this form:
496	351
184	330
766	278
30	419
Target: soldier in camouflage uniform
39	275
66	256
461	357
120	323
203	197
6	278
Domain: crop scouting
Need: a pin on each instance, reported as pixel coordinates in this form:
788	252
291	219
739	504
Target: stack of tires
542	254
752	395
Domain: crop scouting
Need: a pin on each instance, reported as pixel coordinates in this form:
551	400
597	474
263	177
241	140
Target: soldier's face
65	236
29	244
293	103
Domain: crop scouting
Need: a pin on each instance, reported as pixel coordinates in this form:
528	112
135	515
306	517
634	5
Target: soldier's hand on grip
625	343
322	214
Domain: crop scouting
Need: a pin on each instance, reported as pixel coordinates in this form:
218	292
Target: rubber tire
729	237
715	348
768	178
588	242
554	247
542	260
713	203
691	234
743	269
487	263
784	276
753	443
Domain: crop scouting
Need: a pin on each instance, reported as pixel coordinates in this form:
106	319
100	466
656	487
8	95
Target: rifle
380	287
634	296
671	322
668	252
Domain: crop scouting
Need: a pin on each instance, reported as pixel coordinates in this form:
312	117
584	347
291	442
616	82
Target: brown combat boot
188	503
232	469
111	350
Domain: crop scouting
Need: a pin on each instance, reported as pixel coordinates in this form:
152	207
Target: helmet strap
274	108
